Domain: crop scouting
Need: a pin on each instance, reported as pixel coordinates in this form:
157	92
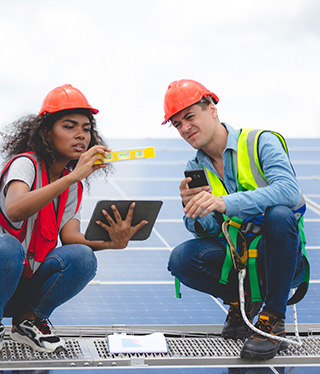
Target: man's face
196	125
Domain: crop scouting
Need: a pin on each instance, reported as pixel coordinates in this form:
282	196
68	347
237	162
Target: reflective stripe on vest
44	232
248	172
248	168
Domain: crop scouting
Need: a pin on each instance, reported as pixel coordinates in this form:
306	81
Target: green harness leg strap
304	285
234	225
227	266
233	229
177	287
253	269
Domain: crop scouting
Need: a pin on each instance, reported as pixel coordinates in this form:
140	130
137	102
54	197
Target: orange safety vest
45	230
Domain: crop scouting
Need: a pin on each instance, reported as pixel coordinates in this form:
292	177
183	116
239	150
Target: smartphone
198	176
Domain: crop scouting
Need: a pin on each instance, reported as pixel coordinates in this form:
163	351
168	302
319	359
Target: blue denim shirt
283	188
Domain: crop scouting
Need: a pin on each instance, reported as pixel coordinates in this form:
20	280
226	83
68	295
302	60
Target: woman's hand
120	231
86	164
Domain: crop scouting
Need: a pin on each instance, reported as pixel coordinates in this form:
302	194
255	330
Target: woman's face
71	136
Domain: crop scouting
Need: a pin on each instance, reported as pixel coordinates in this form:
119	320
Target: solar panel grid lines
134	287
144	262
155	179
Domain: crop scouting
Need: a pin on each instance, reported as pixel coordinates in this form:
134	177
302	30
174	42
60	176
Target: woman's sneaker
37	335
1	335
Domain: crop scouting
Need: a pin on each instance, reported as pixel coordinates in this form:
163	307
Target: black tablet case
144	210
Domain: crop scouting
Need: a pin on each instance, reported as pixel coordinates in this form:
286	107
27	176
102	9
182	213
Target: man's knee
196	257
280	219
174	263
180	259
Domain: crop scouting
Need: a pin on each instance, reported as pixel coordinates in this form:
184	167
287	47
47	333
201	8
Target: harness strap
227	266
232	259
304	285
253	269
177	287
231	234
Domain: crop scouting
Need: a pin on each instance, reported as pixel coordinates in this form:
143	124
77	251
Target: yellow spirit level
128	154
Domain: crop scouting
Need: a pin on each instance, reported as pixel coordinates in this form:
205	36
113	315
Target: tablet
144	210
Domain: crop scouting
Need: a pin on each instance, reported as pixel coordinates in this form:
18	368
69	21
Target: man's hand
187	193
199	200
120	231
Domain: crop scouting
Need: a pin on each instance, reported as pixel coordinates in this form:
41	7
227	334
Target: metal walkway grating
90	349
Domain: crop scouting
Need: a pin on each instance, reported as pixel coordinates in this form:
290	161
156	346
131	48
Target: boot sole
235	337
235	333
252	355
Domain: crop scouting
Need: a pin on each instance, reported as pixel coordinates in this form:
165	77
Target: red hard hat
182	94
65	97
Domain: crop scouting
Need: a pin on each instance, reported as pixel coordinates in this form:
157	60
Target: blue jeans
197	263
64	273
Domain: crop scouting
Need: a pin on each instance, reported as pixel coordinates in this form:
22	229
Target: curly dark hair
31	133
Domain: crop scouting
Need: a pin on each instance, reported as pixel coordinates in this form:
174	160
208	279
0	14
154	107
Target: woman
40	194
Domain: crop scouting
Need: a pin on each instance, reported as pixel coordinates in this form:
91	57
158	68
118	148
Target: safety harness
243	236
45	230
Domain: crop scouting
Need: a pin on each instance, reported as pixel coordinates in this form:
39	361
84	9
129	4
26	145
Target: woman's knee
78	258
12	253
85	258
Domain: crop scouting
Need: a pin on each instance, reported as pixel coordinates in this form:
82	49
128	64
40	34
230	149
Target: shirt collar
232	138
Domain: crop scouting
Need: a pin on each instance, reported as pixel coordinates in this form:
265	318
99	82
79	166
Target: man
255	199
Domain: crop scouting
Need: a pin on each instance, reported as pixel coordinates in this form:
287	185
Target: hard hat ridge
65	97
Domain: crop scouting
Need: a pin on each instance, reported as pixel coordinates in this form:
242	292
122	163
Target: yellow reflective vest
249	176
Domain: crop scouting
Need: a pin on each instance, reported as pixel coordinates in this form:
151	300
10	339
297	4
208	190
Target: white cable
242	274
295	319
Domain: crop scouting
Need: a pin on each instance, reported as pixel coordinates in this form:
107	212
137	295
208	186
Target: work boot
234	326
258	347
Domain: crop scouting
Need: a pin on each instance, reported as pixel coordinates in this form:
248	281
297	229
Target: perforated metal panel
90	348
